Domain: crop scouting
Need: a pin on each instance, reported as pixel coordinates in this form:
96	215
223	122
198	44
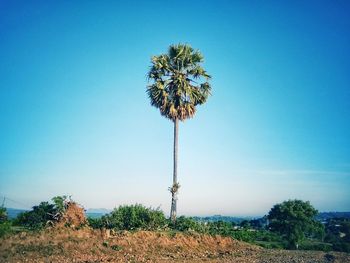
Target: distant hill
216	218
93	212
96	212
14	212
323	216
99	212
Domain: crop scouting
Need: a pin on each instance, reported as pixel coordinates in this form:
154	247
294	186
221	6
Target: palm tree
179	84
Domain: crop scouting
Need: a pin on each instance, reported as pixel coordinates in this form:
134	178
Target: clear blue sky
75	118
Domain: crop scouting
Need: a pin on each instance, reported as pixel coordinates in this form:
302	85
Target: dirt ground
88	245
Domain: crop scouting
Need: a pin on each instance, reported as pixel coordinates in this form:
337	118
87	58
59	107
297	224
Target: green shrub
60	203
220	228
309	245
96	223
5	228
38	217
116	247
268	236
184	224
244	235
42	214
134	217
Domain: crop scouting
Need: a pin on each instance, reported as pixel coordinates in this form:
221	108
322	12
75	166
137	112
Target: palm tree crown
179	83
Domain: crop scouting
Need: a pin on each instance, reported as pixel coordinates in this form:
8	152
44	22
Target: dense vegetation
41	215
291	222
133	217
338	234
269	232
5	225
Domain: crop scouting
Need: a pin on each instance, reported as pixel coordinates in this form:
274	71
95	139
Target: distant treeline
12	213
322	216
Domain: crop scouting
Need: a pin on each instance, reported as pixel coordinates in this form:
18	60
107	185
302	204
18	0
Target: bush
312	245
42	214
133	217
38	217
220	228
96	223
184	224
244	235
268	236
5	228
60	203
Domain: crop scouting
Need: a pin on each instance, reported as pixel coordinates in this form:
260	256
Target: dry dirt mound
87	245
73	216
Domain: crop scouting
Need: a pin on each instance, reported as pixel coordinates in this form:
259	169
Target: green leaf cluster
188	224
43	214
5	228
38	217
178	82
132	217
294	220
220	228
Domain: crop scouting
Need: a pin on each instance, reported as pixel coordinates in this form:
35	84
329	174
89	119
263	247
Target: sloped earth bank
74	216
87	245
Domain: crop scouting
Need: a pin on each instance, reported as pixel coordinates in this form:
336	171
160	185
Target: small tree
43	214
294	219
38	217
61	204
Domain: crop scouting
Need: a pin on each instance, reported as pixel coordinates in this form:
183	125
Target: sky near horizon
75	118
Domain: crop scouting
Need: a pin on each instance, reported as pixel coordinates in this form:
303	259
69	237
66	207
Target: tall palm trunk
175	185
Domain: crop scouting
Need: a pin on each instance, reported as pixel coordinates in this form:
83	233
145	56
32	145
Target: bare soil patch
87	245
73	216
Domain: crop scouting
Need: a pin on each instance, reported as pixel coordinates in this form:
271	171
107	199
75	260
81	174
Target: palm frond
177	82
